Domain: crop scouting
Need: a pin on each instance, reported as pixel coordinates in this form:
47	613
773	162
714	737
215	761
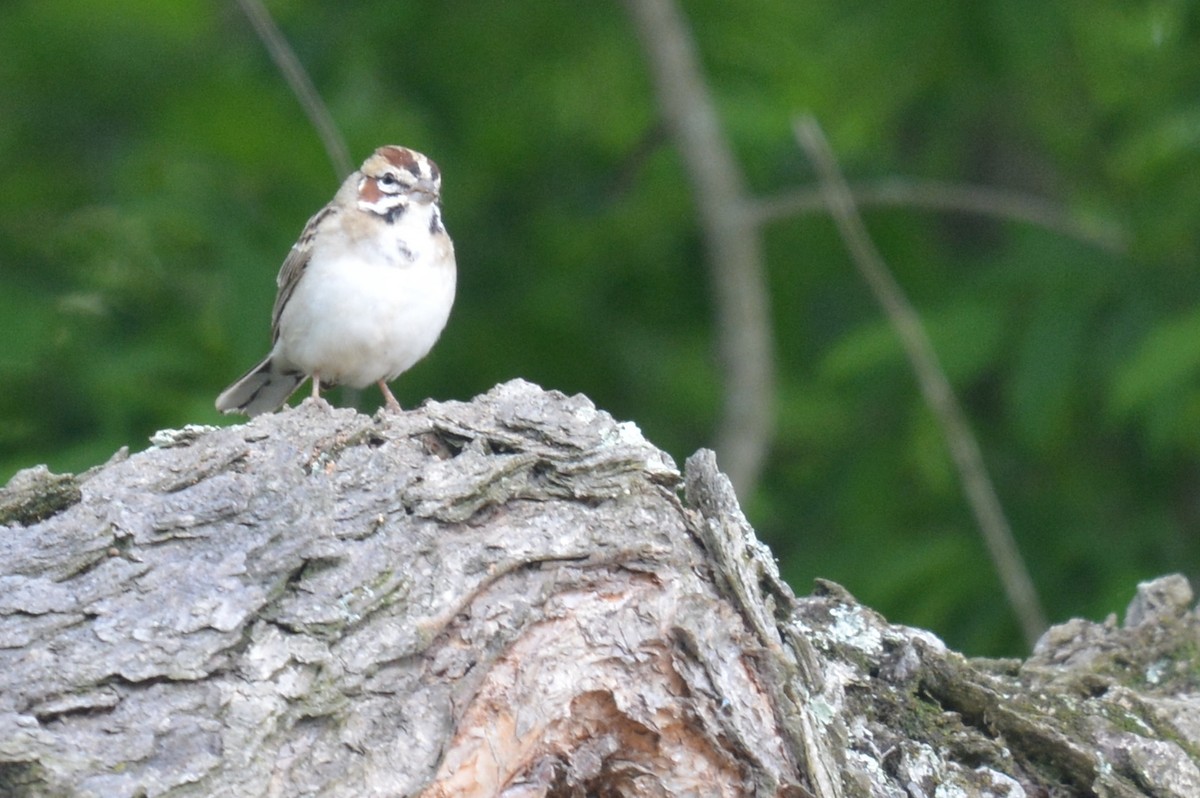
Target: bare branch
938	195
293	71
964	450
743	319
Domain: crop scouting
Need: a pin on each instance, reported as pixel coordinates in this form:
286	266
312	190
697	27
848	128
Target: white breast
372	301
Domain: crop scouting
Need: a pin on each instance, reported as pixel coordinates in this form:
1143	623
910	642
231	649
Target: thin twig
732	239
964	450
937	195
293	71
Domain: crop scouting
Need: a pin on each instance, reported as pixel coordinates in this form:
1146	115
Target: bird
365	291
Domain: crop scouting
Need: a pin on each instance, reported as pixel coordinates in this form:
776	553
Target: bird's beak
425	190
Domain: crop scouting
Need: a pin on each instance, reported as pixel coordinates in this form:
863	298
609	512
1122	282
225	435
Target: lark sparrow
364	293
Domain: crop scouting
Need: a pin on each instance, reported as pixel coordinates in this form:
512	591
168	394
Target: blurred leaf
1167	361
965	337
1046	372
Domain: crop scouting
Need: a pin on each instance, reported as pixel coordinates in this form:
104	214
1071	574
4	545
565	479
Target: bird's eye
388	179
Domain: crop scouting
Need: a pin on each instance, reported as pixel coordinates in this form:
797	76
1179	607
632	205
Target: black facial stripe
394	213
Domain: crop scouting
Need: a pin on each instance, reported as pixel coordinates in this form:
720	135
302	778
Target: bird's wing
294	265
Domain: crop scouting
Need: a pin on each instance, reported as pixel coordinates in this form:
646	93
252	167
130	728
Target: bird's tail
260	390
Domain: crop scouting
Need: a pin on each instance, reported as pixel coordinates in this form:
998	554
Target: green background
156	169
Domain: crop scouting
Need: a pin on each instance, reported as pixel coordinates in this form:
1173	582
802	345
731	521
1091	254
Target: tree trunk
511	597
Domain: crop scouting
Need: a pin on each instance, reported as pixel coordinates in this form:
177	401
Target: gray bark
512	596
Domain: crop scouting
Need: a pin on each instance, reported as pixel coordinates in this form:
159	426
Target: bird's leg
316	394
392	404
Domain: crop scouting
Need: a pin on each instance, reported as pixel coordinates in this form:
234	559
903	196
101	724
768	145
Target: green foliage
157	169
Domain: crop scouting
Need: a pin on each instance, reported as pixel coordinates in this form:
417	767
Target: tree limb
510	597
939	395
731	235
297	78
952	197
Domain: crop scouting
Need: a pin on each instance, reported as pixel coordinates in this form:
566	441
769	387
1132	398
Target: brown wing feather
294	265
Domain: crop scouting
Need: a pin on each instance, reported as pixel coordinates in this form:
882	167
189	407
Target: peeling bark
511	597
